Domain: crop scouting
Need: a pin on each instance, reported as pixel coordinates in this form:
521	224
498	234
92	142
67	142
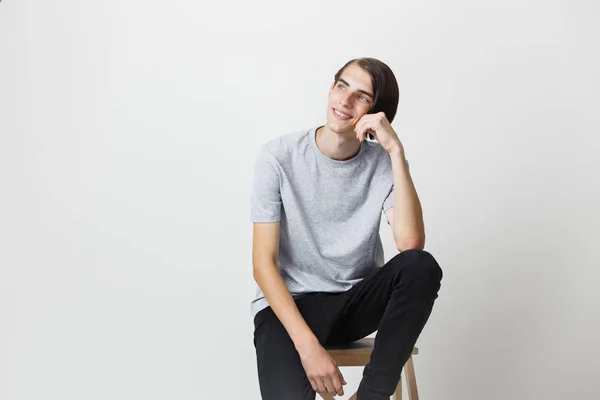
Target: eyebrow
359	90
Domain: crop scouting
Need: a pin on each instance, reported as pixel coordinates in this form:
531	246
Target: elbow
259	269
257	272
412	243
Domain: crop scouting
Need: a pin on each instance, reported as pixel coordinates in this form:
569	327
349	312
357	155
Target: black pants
395	300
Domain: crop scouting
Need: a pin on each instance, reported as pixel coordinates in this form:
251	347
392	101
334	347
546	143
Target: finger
357	129
337	384
329	386
313	383
342	377
360	127
320	386
361	131
365	129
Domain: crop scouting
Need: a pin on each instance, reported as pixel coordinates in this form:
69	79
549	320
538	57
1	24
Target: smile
341	115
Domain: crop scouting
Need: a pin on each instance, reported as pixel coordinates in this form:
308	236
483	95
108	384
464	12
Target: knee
420	267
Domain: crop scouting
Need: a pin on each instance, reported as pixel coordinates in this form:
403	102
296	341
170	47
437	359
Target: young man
318	260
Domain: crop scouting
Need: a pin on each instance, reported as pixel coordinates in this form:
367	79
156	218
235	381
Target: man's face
351	95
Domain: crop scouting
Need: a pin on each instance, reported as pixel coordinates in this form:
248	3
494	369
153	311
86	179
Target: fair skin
339	139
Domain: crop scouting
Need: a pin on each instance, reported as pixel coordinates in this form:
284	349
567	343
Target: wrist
305	341
396	149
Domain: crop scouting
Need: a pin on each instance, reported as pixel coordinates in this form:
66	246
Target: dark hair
385	86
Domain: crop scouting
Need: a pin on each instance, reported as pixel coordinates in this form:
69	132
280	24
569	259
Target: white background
128	131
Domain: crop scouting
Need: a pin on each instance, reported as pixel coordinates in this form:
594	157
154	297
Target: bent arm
406	216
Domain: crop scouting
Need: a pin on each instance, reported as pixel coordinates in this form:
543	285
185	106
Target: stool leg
398	392
411	380
326	396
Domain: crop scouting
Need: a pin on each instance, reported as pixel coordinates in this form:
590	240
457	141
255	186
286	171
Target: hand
321	370
378	126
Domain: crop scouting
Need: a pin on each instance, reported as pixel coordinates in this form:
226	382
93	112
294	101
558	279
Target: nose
345	101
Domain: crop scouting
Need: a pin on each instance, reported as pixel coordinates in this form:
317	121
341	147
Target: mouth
341	116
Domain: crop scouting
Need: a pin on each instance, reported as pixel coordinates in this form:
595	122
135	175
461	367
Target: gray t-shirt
329	212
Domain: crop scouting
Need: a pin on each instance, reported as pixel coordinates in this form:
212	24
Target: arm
265	247
266	213
321	370
406	217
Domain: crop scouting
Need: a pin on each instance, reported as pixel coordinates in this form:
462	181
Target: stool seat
358	354
355	354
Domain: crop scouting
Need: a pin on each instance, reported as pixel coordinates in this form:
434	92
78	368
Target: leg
396	300
280	371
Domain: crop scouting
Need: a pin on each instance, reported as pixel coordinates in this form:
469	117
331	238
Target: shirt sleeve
266	189
389	200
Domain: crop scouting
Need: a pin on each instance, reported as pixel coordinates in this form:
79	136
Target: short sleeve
266	193
389	200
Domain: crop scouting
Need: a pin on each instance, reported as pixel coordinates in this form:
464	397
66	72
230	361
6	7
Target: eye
363	98
340	86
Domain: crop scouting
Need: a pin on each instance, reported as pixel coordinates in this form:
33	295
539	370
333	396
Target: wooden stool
358	354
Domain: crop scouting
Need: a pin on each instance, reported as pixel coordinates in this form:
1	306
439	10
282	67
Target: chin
340	129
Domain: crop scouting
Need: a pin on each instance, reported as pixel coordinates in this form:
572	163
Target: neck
337	146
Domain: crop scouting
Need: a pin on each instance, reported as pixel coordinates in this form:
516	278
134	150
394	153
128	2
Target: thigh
280	371
360	309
